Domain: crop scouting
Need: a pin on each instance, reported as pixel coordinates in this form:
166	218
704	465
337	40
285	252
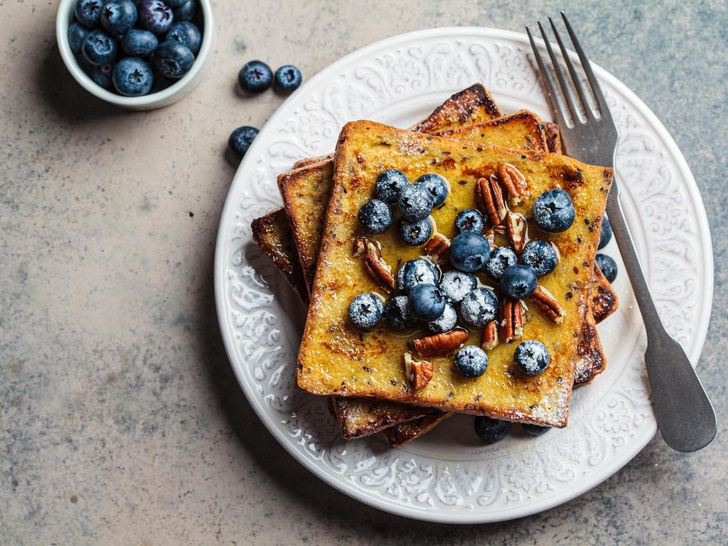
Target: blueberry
389	185
255	77
534	430
365	311
173	60
445	323
99	48
541	256
414	272
606	234
397	314
132	77
288	78
455	285
518	281
532	357
471	361
436	185
155	16
241	139
426	302
103	75
175	3
500	259
139	43
469	252
375	217
608	266
479	307
469	220
118	16
553	211
76	35
88	12
415	233
186	12
415	202
490	430
186	34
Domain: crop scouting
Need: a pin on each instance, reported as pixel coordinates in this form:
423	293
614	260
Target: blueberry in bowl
132	77
173	60
94	36
187	34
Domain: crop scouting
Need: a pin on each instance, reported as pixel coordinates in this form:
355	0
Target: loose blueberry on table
534	430
606	234
241	139
255	77
288	78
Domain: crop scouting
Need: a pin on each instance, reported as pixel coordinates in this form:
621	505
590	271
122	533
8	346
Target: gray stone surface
121	420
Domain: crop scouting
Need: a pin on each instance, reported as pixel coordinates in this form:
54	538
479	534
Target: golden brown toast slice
333	357
406	432
359	417
273	234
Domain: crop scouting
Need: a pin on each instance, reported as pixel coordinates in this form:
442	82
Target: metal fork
684	413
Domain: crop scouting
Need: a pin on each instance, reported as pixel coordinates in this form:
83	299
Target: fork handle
685	416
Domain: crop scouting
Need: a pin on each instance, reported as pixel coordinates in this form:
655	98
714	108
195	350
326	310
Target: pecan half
489	199
544	301
516	228
418	372
489	341
374	265
490	235
511	326
514	182
438	247
440	344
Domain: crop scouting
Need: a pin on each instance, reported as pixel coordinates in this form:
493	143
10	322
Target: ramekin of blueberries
135	53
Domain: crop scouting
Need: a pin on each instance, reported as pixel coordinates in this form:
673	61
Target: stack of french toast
374	377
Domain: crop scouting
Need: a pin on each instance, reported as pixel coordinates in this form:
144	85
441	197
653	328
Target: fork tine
586	65
560	75
574	76
548	82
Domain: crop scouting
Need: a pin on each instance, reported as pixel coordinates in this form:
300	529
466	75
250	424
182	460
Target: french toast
332	354
359	417
273	234
306	192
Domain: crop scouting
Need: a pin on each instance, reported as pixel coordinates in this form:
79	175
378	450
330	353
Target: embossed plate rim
479	514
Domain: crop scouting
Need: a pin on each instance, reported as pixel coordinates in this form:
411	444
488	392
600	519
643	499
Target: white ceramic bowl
165	97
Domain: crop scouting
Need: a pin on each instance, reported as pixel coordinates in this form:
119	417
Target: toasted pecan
418	372
489	340
516	227
374	265
489	199
439	344
544	301
438	247
514	182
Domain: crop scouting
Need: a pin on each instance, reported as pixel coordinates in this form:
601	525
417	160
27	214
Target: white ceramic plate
446	475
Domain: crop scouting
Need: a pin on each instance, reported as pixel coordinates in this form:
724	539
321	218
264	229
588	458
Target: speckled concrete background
120	418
